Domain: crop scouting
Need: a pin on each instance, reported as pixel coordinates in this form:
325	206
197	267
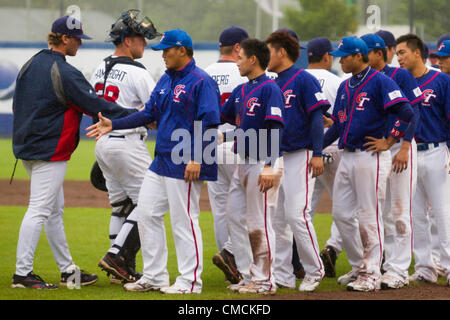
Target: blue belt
424	147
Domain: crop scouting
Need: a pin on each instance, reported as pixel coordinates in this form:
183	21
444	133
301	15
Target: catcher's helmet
97	179
128	25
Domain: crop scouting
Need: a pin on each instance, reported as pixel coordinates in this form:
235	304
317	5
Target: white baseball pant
249	214
46	208
218	193
158	195
326	181
293	218
397	214
358	198
124	163
433	187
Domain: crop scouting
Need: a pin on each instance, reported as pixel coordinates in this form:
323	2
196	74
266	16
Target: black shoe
329	257
299	272
32	281
85	278
116	265
224	260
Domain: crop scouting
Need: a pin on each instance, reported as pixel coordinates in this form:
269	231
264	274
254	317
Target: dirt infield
83	194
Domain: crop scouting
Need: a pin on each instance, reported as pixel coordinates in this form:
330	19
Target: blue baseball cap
174	38
350	45
426	52
444	49
442	39
232	35
388	37
317	47
69	26
373	41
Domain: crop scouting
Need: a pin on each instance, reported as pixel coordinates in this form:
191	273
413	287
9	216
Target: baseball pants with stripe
158	195
397	216
293	218
249	214
358	198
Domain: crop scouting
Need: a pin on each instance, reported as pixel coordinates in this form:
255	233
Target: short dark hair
383	50
189	52
315	59
365	57
413	42
282	39
257	48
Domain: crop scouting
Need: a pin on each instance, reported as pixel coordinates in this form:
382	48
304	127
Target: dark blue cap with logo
174	38
350	45
373	41
388	37
317	47
444	49
232	35
69	26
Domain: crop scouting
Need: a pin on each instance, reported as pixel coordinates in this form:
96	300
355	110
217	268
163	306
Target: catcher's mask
129	25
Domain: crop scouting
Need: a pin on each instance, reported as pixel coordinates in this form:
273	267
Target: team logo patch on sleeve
275	111
320	96
417	92
395	94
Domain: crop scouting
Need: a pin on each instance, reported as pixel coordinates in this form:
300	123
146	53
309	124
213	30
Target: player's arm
228	109
135	120
71	86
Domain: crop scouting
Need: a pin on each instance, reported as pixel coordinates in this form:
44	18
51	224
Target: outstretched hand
102	127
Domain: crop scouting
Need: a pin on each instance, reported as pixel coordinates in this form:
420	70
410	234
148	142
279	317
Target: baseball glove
97	179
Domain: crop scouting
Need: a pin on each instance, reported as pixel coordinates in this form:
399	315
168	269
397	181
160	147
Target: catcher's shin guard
131	247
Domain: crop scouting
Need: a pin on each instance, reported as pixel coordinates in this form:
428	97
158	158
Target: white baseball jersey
228	77
329	82
129	85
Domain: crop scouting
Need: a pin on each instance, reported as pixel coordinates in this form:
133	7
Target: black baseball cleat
224	260
329	257
32	281
299	272
85	278
117	266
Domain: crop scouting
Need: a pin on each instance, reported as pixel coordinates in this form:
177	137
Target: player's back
128	83
228	77
329	83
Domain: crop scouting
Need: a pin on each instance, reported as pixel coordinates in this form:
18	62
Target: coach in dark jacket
49	100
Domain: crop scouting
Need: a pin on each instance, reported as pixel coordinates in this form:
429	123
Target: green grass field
87	234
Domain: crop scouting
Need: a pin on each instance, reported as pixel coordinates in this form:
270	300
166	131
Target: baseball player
433	179
389	41
444	56
256	108
185	94
226	73
302	154
122	154
363	103
319	65
49	100
402	181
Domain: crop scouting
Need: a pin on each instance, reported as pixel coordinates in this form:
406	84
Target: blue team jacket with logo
180	98
363	111
434	125
49	100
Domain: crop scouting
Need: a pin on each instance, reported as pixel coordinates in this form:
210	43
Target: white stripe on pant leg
46	181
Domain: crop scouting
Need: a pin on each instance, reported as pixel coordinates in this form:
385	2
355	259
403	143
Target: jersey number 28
112	92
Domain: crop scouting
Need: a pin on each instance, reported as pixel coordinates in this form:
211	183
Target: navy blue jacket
49	100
